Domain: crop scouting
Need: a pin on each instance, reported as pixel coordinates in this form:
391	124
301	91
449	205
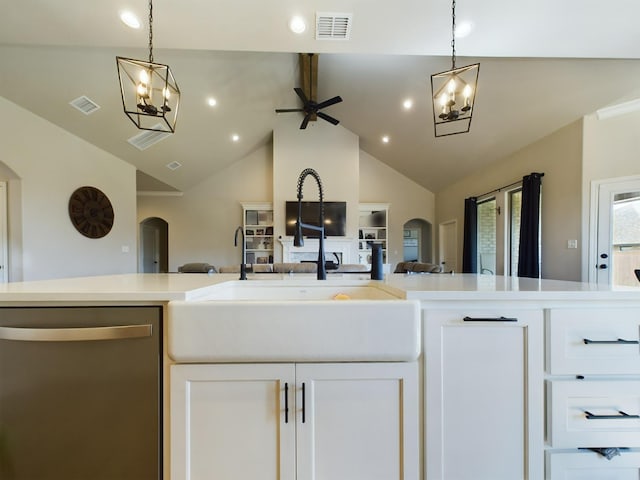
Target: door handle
286	402
81	334
303	404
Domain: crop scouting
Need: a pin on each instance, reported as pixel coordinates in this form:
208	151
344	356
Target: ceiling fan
310	107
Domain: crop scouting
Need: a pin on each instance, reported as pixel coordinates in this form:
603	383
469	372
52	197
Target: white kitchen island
518	378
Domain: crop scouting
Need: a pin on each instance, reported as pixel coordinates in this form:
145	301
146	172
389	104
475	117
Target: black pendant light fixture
454	93
150	94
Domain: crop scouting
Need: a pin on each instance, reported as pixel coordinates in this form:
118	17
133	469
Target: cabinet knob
602	266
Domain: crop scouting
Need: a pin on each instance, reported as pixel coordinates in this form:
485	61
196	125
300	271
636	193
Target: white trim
343	245
619	109
158	193
4	248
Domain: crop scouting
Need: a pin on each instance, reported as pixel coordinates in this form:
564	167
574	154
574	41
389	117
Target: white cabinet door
484	394
230	422
357	421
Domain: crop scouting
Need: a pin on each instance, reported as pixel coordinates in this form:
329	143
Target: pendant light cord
453	35
150	31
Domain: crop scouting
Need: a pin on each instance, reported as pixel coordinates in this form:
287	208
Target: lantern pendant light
454	93
150	94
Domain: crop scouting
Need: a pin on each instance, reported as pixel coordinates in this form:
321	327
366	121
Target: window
499	232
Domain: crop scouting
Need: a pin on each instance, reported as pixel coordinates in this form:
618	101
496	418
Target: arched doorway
417	241
154	246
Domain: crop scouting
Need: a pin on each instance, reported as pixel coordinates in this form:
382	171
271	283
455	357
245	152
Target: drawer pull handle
591	416
619	341
492	319
286	402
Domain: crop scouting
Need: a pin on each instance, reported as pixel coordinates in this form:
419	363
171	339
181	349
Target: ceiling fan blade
328	118
305	121
301	94
285	110
328	103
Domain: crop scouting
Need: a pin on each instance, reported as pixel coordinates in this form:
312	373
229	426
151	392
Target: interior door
448	246
150	248
617	251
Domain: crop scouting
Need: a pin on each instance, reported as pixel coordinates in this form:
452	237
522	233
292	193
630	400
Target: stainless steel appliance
80	393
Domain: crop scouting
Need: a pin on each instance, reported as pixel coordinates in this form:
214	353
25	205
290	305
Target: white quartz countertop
434	287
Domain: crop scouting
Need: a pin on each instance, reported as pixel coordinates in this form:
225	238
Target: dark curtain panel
529	251
470	241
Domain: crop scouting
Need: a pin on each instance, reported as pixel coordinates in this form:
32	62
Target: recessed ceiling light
297	24
463	29
385	139
235	137
212	102
130	19
407	104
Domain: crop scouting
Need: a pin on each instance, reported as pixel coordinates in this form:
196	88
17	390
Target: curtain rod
499	189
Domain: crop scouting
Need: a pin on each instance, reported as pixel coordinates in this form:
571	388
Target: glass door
618	233
499	232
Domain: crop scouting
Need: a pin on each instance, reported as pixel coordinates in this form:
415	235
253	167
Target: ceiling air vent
333	26
144	140
174	165
85	105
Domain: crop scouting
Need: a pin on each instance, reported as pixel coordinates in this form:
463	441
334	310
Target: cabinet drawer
586	413
587	465
595	341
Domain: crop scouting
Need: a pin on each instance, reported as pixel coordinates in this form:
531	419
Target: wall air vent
174	165
333	26
85	105
145	139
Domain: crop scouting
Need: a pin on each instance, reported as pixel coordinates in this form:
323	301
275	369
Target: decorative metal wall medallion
91	212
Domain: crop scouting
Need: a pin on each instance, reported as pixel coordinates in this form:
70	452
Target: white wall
611	149
50	164
202	222
330	150
407	199
559	157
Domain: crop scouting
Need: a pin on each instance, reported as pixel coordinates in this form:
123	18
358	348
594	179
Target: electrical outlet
572	243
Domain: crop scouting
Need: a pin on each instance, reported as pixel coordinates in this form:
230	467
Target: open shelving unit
373	226
257	223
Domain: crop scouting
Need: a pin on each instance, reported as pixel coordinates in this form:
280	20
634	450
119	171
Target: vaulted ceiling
544	64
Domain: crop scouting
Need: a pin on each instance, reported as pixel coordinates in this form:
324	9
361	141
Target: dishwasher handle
80	334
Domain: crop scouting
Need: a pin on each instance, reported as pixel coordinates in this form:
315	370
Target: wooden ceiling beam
309	77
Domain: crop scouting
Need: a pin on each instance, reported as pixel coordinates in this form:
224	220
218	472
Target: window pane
487	237
625	245
515	206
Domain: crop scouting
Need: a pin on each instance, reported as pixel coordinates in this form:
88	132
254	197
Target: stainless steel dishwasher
80	393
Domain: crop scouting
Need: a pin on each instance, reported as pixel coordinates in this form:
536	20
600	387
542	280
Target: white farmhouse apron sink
295	321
